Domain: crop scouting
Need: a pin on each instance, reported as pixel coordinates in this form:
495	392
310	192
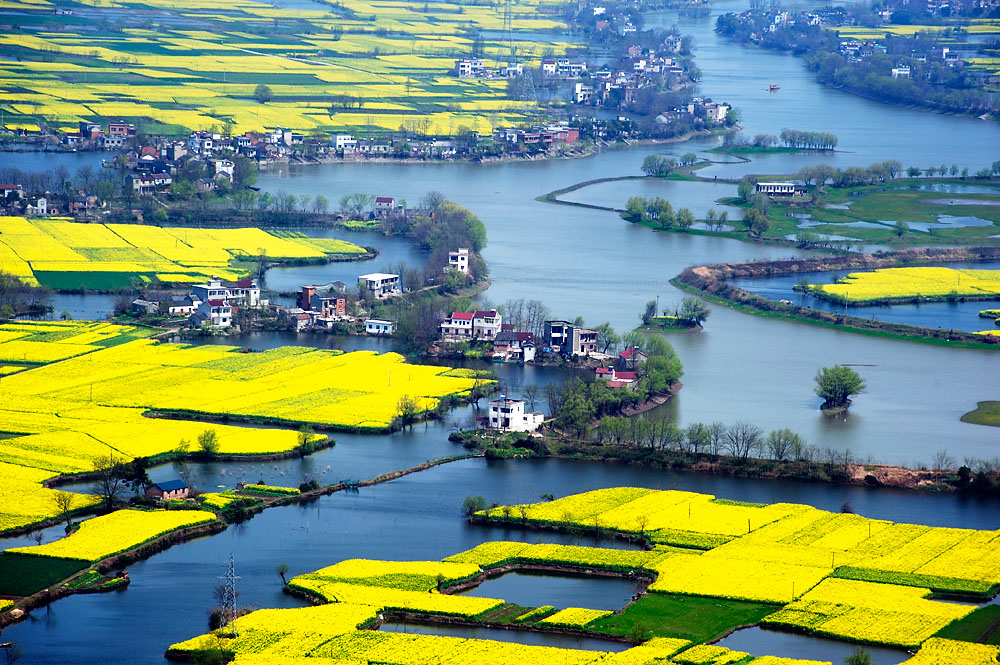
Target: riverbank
710	282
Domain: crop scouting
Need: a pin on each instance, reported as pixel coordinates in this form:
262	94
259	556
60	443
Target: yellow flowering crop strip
91	401
575	617
271	490
938	651
869	612
707	654
217	500
104	536
4	604
890	284
78	250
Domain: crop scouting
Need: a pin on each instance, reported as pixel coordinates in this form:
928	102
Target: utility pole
229	596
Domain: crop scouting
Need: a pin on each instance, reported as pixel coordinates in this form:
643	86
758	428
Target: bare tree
64	502
716	437
530	392
110	476
942	460
742	439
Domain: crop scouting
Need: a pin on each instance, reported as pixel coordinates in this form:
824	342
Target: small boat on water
774	86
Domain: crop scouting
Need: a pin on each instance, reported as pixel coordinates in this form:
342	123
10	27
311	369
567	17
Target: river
588	263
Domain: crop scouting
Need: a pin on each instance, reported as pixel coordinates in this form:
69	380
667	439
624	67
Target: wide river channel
588	263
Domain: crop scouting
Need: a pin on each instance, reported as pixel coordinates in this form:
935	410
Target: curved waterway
588	263
417	517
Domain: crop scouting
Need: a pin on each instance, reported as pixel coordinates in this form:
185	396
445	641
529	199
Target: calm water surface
417	517
588	263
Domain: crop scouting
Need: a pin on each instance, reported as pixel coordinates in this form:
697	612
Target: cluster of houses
636	69
15	200
209	305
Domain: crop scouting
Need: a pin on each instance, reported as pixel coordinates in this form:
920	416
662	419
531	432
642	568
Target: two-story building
213	312
384	205
381	284
457	327
458	261
508	415
515	347
245	292
569	339
486	323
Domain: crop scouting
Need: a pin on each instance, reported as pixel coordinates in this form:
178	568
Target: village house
167	490
469	68
615	378
458	327
458	261
141	306
486	324
245	291
508	415
326	305
778	188
217	313
510	346
384	205
631	358
569	339
379	327
381	284
180	306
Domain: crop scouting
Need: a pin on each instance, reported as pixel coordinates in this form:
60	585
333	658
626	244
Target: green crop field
23	575
691	617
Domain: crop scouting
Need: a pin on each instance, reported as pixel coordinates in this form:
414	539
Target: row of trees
795	138
659	213
16	297
740	440
658	165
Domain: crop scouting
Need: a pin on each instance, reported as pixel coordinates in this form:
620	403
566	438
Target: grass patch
985	413
506	613
690	617
23	575
982	626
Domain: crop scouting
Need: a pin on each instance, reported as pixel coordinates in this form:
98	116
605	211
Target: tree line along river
588	263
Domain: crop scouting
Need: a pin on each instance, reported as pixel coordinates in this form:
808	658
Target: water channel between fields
588	263
538	589
416	517
948	315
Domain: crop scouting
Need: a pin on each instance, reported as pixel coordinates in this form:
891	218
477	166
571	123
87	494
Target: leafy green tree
575	414
693	310
282	570
837	384
607	338
649	312
685	218
182	188
208	443
756	222
406	410
635	208
262	94
473	504
783	443
745	190
913	171
900	228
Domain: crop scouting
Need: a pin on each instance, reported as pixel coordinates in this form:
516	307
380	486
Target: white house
458	261
224	167
901	72
245	291
379	327
457	327
186	305
39	208
384	205
344	142
469	67
776	188
516	347
486	323
380	283
216	313
509	415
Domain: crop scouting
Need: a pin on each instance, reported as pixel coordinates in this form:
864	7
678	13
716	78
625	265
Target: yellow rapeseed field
910	283
104	536
90	401
68	254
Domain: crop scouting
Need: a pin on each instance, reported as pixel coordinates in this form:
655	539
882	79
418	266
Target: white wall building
380	283
459	261
509	415
379	327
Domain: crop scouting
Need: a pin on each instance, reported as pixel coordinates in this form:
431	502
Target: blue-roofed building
169	489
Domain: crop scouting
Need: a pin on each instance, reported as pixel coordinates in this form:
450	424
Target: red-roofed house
457	327
486	324
631	358
615	378
217	313
384	205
